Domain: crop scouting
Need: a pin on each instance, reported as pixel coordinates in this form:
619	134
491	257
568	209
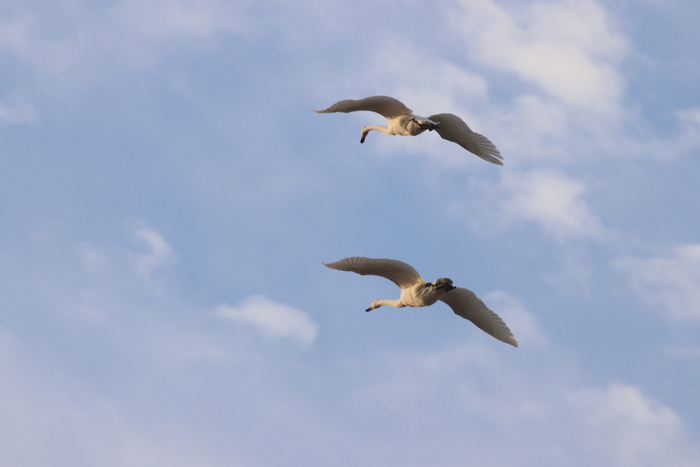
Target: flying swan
402	121
416	292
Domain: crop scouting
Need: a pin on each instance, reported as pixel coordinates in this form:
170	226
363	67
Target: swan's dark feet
368	309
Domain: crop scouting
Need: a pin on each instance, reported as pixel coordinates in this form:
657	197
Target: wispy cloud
690	353
523	323
671	281
554	201
272	319
688	137
17	110
631	428
569	49
64	40
162	20
159	253
614	424
34	403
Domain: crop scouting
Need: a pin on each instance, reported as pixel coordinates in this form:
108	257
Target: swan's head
425	123
443	283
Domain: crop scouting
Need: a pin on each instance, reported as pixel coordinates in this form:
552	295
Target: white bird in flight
416	292
402	121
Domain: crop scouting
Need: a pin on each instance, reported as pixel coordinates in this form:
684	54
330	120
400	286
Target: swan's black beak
428	125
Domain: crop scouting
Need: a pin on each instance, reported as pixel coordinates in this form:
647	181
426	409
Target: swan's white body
416	292
402	121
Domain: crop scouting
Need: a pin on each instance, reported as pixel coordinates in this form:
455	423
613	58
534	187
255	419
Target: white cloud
159	255
554	201
113	278
17	110
536	129
631	428
568	49
575	274
15	33
434	91
521	322
690	353
691	116
93	259
80	43
272	319
50	419
549	200
474	391
162	20
671	281
688	137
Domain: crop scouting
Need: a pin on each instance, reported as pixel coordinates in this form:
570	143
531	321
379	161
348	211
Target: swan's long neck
377	303
367	129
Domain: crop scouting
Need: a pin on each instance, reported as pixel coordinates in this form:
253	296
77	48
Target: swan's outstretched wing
452	128
467	305
383	105
398	272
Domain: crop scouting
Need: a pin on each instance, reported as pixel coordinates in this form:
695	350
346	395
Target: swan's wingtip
496	159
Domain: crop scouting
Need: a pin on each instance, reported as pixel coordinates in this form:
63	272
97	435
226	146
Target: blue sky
167	196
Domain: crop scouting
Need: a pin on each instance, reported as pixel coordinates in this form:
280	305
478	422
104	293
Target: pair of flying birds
414	290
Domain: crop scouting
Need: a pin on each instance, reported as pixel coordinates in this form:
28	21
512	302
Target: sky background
167	196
